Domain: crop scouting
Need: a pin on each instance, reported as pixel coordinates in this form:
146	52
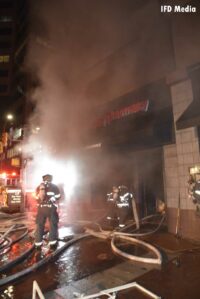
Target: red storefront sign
123	112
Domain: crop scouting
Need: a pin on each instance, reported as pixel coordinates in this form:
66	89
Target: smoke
69	40
61	48
81	54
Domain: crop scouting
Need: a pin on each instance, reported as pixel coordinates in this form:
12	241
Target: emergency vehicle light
3	175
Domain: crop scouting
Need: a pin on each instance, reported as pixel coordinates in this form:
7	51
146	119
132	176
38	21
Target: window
4	58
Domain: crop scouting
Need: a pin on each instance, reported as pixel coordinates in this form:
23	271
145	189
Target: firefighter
112	199
126	207
196	194
47	195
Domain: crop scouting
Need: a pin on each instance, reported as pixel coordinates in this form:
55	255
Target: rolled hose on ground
141	221
135	258
4	249
105	234
141	234
6	242
7	232
17	260
45	260
108	234
130	237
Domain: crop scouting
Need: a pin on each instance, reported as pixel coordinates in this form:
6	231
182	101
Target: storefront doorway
141	171
150	185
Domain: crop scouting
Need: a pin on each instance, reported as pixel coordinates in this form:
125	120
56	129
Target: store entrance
150	180
141	171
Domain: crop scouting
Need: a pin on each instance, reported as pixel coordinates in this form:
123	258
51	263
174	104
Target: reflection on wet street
83	259
78	261
91	262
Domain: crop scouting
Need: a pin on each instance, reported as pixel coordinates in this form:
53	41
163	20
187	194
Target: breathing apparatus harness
45	195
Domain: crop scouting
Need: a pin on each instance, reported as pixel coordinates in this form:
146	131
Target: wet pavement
178	278
90	265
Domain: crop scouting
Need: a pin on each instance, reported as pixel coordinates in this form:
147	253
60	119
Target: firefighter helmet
47	177
123	189
115	189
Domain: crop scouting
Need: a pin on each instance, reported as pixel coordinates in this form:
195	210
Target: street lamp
9	116
7	119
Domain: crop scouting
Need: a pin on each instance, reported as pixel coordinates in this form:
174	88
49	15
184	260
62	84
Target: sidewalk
177	279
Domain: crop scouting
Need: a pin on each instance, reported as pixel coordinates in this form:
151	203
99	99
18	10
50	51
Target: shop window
15	162
4	58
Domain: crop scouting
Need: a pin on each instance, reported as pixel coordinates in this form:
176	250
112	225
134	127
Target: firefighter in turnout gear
47	194
121	207
112	199
196	194
126	207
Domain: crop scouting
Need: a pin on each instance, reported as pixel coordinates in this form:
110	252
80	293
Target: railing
37	291
111	293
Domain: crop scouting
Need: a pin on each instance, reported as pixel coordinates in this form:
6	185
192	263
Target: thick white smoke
81	54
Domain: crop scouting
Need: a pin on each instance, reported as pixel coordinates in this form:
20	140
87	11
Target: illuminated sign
17	133
122	113
15	162
14	196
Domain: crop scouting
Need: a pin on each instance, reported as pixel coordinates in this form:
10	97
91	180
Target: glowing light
195	169
4	175
71	179
14	174
9	116
33	194
64	173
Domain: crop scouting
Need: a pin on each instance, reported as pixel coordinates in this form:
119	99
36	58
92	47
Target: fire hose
6	243
45	260
131	238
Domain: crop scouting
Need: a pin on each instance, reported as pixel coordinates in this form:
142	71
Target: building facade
14	16
7	37
156	59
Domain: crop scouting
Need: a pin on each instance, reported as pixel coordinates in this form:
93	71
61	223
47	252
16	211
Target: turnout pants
112	211
46	212
123	214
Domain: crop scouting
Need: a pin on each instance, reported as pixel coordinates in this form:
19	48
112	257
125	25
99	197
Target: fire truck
11	195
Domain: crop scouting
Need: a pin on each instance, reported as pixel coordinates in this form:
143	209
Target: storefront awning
141	130
190	117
